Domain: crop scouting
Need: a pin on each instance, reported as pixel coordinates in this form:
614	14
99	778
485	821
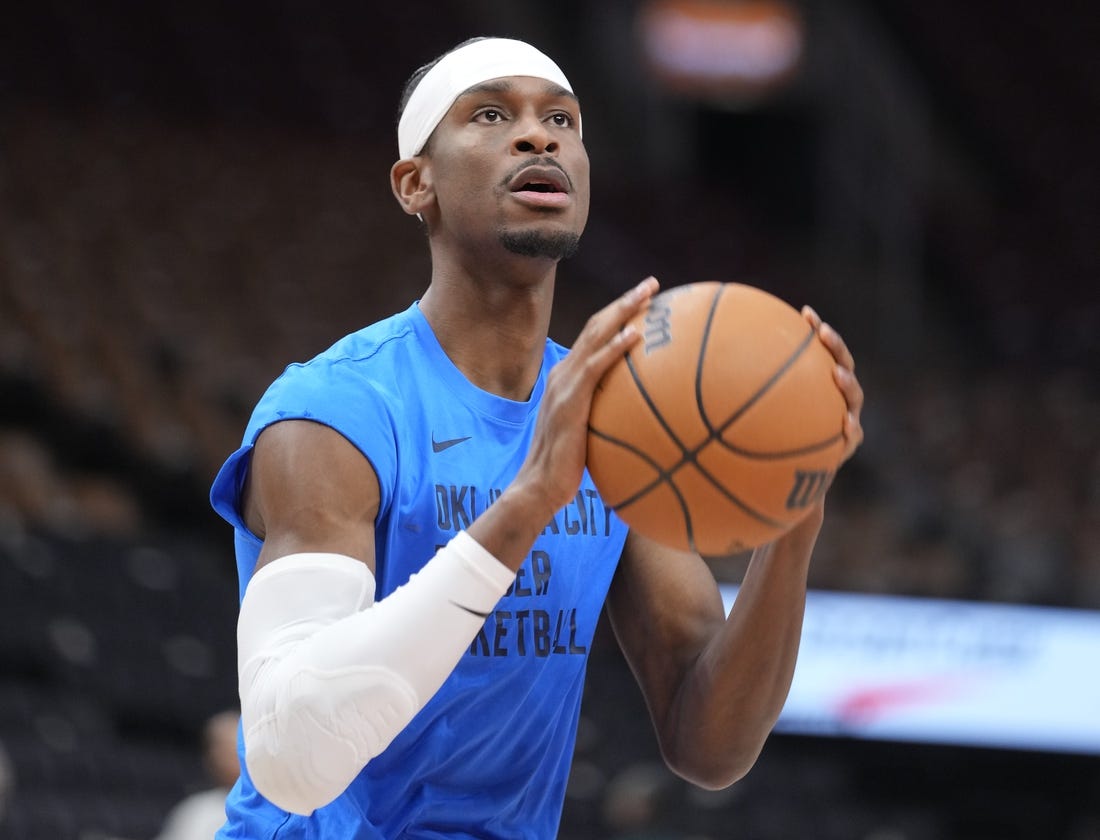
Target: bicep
310	489
664	606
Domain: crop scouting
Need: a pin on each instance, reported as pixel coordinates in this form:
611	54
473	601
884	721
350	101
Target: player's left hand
845	376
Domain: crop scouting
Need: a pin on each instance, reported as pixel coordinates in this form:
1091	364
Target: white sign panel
951	672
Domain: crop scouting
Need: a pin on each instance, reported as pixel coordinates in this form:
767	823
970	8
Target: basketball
722	426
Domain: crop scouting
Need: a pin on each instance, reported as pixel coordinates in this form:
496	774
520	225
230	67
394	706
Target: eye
489	115
561	119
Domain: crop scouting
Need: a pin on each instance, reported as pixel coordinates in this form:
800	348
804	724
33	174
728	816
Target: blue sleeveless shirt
489	755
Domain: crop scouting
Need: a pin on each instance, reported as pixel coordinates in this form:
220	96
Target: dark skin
714	685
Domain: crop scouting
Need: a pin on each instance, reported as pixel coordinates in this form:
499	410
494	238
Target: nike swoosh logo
440	445
470	611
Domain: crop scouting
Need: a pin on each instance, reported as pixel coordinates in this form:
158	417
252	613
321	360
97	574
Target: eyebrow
504	86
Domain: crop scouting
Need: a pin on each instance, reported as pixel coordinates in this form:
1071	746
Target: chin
548	244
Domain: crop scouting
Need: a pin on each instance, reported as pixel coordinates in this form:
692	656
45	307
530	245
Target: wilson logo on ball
809	487
658	325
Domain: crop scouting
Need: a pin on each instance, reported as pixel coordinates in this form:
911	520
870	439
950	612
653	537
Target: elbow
275	778
306	739
716	765
714	775
294	773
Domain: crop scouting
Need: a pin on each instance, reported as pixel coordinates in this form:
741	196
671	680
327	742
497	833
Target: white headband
457	72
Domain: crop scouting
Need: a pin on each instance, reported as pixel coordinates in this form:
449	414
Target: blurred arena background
194	193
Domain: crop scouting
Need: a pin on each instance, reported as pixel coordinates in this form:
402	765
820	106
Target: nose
533	136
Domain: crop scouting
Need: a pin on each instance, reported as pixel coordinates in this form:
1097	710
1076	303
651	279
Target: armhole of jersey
228	485
225	492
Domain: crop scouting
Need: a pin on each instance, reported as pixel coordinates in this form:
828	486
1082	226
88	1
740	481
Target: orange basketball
721	427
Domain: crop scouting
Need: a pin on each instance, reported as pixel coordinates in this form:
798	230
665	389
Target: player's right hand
556	460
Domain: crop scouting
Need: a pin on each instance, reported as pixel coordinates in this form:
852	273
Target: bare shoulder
310	489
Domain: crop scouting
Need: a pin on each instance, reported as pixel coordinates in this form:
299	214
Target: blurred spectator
637	802
199	815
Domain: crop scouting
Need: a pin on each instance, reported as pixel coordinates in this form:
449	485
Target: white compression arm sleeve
328	677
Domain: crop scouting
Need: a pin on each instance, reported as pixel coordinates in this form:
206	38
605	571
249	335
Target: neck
493	325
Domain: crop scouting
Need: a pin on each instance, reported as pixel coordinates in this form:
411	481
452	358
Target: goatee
533	243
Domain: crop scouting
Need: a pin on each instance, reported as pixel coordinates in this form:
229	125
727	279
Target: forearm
732	695
328	677
512	523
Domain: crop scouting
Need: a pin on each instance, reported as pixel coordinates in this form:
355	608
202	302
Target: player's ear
410	180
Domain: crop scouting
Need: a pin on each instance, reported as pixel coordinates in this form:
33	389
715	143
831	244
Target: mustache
537	160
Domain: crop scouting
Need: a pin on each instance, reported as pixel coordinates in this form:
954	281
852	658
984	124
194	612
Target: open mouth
540	179
539	187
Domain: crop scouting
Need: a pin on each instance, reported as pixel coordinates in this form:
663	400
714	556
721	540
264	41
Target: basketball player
423	557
